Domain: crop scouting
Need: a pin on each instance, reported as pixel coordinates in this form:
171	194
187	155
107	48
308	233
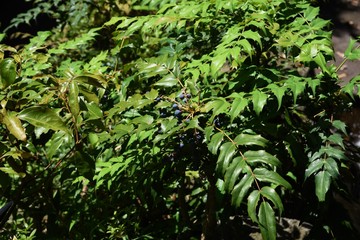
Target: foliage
188	107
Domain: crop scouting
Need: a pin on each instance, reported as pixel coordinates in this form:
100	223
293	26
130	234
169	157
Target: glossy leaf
248	140
264	175
74	99
322	184
14	125
252	204
43	117
215	142
272	195
261	156
241	189
238	105
91	79
267	221
259	100
227	151
7	72
233	172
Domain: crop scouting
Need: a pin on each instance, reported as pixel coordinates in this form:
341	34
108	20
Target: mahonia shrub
196	118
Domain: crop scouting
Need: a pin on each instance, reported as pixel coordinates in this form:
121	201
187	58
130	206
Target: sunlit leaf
14	125
40	116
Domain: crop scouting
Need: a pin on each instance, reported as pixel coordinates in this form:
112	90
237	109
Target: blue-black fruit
177	112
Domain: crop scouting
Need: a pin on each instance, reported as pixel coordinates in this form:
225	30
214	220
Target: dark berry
181	145
188	95
175	106
181	96
177	112
157	99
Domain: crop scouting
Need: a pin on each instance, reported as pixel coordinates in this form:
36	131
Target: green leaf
253	35
259	100
13	124
272	195
167	81
217	62
264	175
278	92
331	167
297	87
248	140
322	184
261	156
215	142
352	52
58	139
233	172
227	151
7	72
314	167
218	106
241	189
94	112
340	126
74	99
238	105
91	79
267	221
311	13
43	117
253	200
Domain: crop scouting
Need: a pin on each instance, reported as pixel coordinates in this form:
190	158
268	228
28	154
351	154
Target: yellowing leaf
13	124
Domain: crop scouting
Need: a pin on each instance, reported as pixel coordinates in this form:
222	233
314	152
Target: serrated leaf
233	172
259	100
264	175
7	72
253	35
218	106
227	151
253	200
249	140
272	195
267	221
167	81
310	13
332	167
91	79
13	124
278	92
340	126
57	140
337	139
94	112
241	189
322	184
351	52
43	117
217	62
215	142
297	87
314	167
238	105
261	156
246	46
113	20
